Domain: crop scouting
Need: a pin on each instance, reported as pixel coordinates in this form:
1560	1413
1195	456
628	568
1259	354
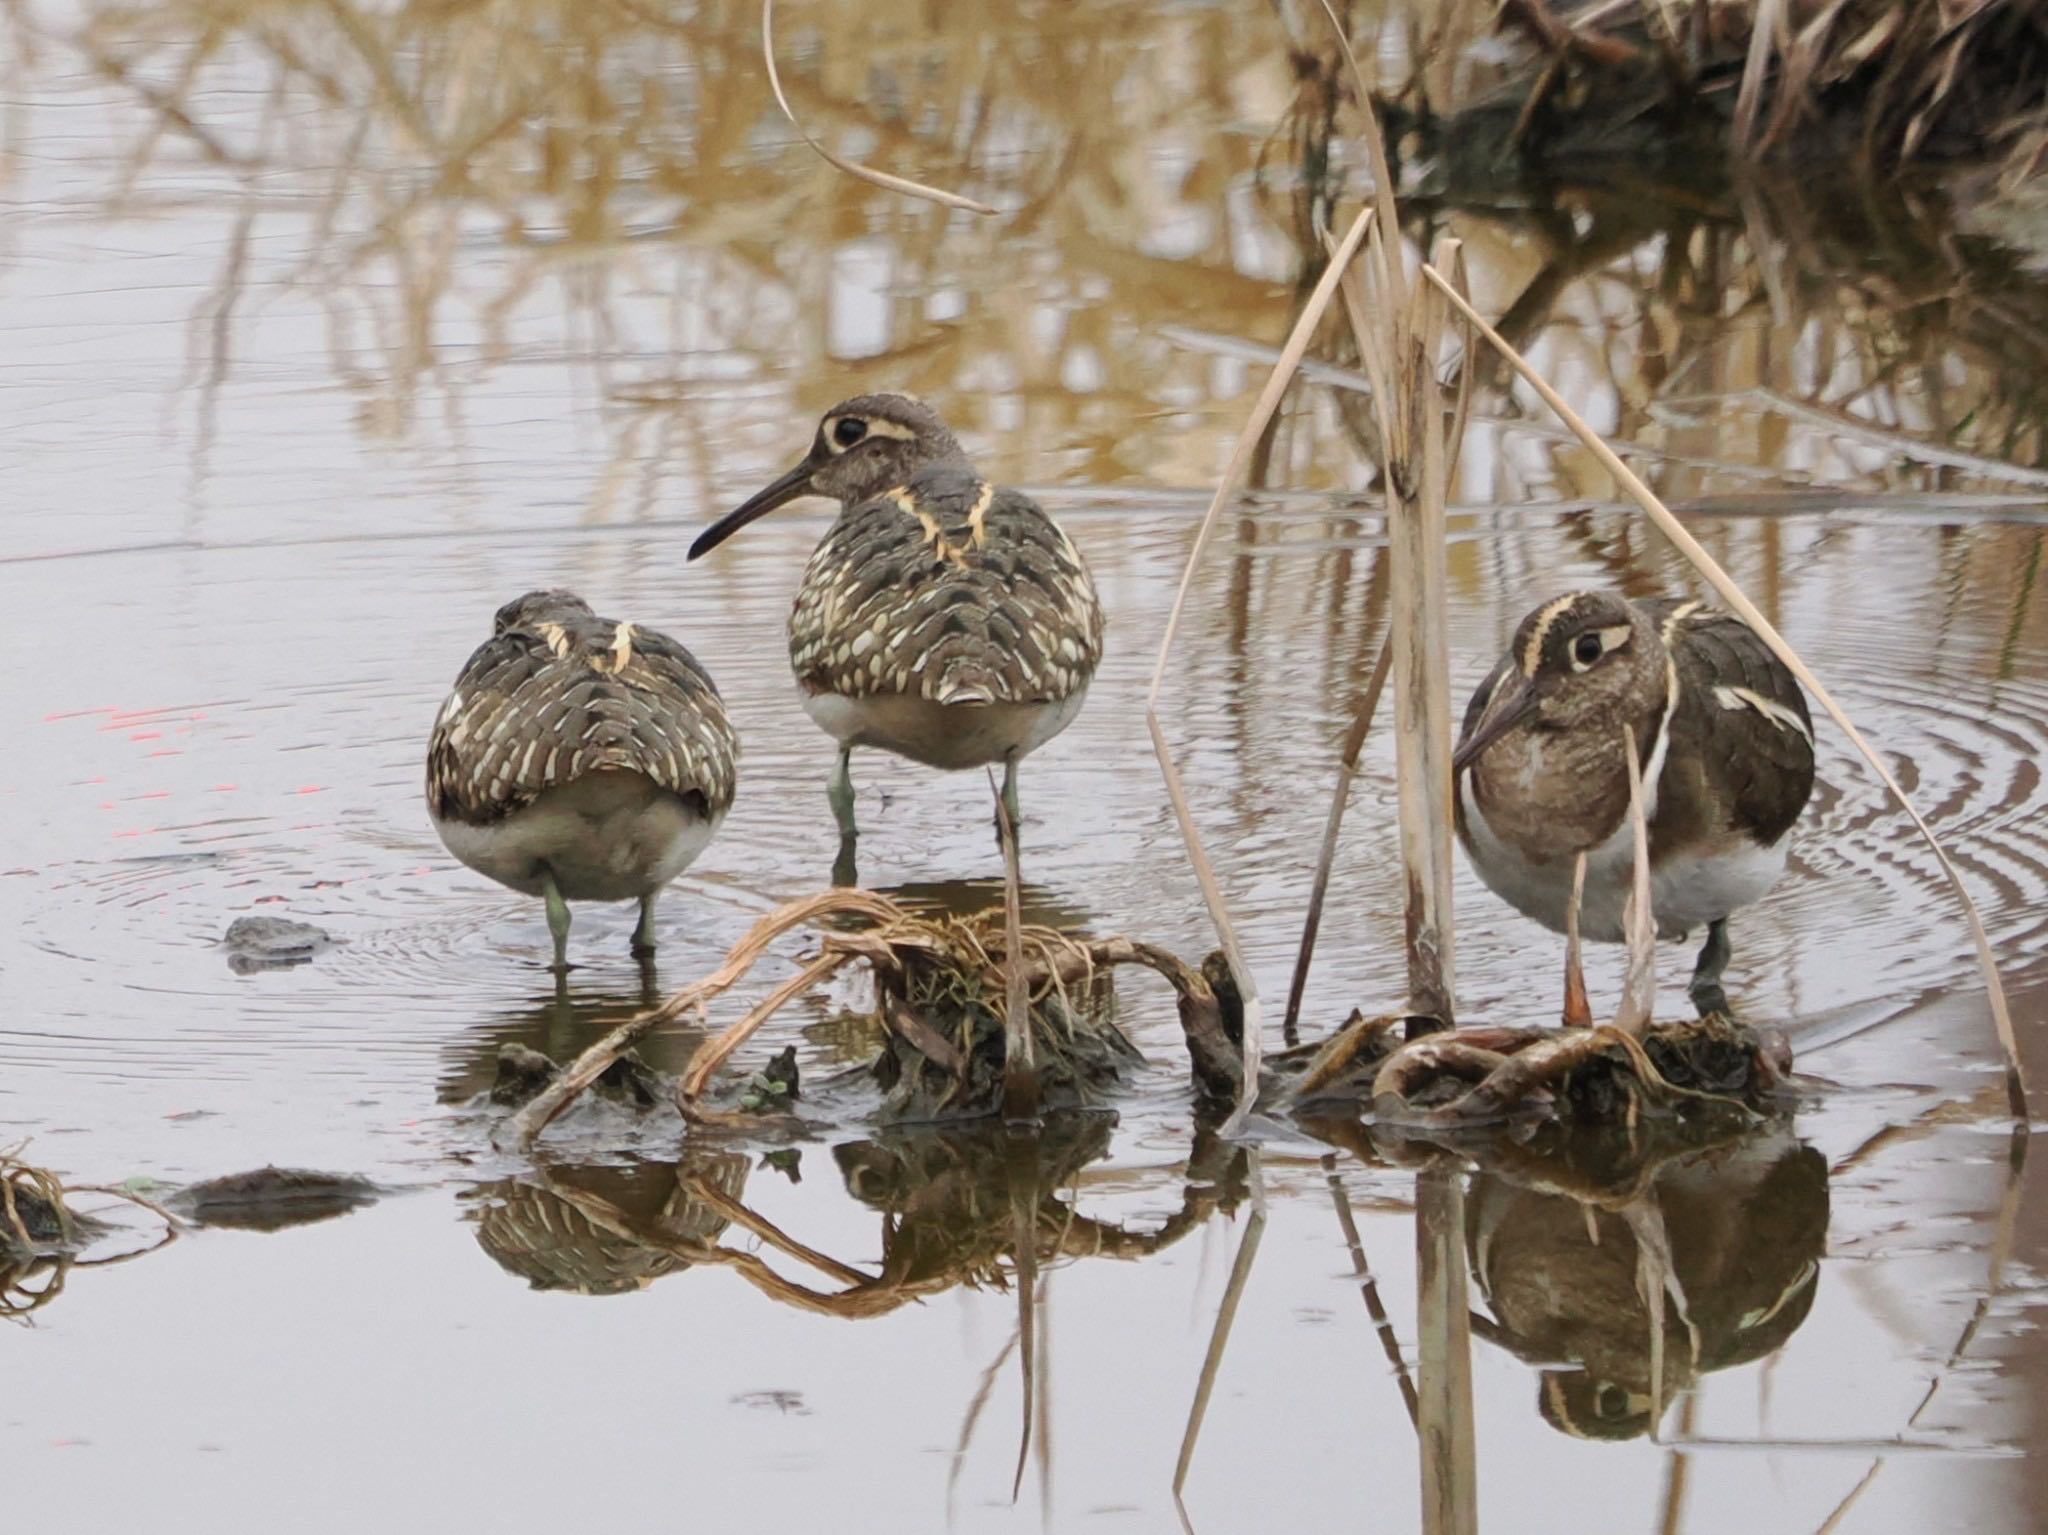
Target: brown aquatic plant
932	977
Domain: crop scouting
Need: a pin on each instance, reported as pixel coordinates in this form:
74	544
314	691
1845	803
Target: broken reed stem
1763	30
1262	412
1347	770
1716	577
1020	1069
1226	1314
860	172
1399	331
739	959
712	1054
1638	922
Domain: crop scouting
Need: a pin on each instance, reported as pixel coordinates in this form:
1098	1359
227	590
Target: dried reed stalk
1638	922
860	172
1399	327
710	1055
1722	583
1262	412
739	959
1347	770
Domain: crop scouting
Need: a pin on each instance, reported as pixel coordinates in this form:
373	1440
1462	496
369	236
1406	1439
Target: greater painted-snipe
942	617
580	759
1726	750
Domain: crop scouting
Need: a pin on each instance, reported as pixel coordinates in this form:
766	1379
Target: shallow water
314	347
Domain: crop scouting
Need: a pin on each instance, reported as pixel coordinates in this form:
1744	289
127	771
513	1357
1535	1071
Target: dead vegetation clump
1883	84
941	1000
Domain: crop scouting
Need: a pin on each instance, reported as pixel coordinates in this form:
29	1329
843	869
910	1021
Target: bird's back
543	704
951	589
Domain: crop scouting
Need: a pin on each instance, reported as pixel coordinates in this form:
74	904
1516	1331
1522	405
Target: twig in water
973	1416
1722	583
1219	1337
1368	1287
860	172
597	1059
709	1056
1347	769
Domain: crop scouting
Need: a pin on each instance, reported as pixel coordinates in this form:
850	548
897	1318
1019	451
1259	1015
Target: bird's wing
1742	725
534	709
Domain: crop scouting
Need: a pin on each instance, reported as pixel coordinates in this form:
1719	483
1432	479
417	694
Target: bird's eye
849	430
1586	649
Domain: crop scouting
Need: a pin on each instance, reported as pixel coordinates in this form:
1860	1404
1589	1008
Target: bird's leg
643	935
1705	990
1010	796
839	792
1578	1011
558	919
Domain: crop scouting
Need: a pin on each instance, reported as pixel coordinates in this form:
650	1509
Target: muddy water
322	332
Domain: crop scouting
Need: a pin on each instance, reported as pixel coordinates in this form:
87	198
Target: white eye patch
1604	641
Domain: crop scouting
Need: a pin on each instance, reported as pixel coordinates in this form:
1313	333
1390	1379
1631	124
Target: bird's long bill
783	490
1508	709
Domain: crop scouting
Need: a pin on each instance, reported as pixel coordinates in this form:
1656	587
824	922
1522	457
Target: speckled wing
537	708
951	589
1741	738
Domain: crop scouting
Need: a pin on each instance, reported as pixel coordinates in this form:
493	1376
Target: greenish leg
1705	990
839	791
558	919
643	935
1010	796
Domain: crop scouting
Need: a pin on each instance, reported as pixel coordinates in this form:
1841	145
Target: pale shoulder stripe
1776	713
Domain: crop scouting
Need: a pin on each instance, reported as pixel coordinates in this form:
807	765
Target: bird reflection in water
1571	1264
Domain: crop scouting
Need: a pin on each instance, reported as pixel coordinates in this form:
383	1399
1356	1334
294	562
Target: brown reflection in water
559	1023
1565	1274
948	1198
606	1230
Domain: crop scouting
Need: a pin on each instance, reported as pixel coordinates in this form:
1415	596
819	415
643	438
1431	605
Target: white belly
1686	890
606	837
942	735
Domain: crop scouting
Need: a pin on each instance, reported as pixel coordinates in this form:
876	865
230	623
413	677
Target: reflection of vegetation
961	1206
607	185
460	161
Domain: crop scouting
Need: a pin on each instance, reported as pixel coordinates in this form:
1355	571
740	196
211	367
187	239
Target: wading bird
580	759
1726	751
942	617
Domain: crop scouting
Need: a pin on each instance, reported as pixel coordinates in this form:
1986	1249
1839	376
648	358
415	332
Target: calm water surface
325	329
